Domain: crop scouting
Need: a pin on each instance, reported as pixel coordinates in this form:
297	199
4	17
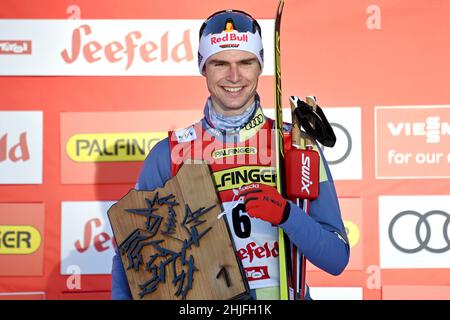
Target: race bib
256	244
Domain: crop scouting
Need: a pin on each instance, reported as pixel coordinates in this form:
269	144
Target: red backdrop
366	55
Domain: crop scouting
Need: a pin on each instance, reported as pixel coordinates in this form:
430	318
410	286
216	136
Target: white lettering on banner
73	282
15	47
86	237
374	20
432	128
395	157
373	281
111	47
257	273
412	142
21	147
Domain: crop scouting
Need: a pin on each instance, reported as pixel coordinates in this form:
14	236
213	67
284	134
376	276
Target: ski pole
302	187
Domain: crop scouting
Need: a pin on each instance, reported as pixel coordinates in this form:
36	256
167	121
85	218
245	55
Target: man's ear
260	69
204	70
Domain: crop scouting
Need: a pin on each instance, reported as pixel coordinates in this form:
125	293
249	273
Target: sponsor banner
336	293
112	147
412	142
107	47
345	158
351	210
415	292
21	147
109	147
87	242
352	214
22	295
91	295
414	231
21	239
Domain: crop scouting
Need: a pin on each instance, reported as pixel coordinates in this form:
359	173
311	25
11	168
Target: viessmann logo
432	129
412	142
16	239
15	47
112	147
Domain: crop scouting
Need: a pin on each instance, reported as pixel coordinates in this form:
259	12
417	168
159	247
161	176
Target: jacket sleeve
320	236
155	172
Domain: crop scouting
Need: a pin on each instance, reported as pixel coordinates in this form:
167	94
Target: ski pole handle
311	100
295	133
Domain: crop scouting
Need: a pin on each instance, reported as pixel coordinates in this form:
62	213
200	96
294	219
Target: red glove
264	202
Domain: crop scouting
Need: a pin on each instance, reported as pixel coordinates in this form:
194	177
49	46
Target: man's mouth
232	89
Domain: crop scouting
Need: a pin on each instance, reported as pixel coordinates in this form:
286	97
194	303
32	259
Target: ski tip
280	7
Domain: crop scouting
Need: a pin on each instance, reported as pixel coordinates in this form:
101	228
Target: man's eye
219	64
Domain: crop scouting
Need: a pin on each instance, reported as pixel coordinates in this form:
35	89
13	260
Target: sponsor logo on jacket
229	152
236	177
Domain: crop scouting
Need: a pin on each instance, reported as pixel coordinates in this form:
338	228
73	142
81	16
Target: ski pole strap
314	123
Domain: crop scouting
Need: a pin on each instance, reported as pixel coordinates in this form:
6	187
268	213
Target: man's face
232	79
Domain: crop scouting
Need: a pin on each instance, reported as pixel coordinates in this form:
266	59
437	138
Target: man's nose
233	74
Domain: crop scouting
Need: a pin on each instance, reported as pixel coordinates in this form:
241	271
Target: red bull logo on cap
229	37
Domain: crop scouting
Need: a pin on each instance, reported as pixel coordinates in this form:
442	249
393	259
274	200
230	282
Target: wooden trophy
172	244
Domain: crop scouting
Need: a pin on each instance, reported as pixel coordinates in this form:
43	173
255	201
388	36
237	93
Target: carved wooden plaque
172	244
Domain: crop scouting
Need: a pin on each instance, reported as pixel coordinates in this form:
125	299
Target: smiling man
232	79
233	137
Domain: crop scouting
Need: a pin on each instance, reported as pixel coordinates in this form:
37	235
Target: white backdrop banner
107	47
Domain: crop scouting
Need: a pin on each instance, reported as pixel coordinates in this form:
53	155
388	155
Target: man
233	138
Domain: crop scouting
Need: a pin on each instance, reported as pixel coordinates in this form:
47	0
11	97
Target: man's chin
235	108
236	104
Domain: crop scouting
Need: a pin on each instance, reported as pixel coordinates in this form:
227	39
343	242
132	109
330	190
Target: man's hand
264	202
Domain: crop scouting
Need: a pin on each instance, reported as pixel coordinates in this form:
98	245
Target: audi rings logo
424	229
256	121
341	151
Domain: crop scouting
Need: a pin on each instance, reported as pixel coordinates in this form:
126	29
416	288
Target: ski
309	116
283	241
